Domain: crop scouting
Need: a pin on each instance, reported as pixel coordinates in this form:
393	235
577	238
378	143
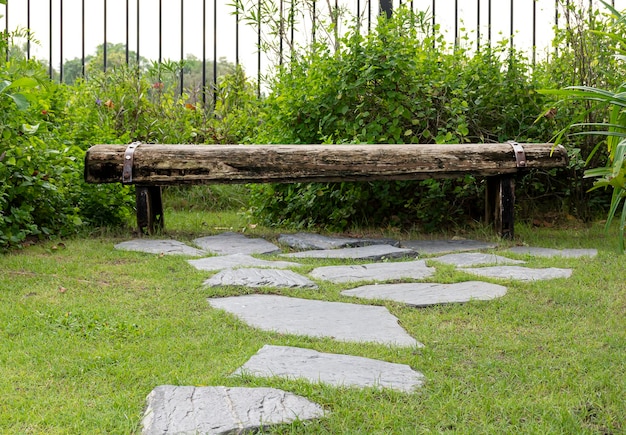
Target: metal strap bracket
520	154
127	171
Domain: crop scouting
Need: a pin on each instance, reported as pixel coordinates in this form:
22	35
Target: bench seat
151	166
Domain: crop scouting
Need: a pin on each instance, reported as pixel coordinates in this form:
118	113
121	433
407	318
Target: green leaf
22	82
20	101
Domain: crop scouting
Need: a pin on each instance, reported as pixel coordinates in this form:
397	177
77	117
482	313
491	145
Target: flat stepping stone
165	247
235	243
520	273
548	252
222	410
337	370
425	294
251	277
377	271
471	259
308	241
233	261
372	252
424	247
338	320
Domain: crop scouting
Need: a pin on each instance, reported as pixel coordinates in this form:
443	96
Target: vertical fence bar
28	27
214	54
204	53
82	42
105	37
280	32
456	23
160	36
237	33
292	17
386	6
127	32
182	45
138	38
258	72
50	70
556	23
478	25
314	18
489	22
6	29
512	29
60	41
534	33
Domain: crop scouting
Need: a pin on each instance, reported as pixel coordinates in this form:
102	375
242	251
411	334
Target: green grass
87	332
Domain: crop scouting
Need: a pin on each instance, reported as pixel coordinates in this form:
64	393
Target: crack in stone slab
314	318
333	369
221	410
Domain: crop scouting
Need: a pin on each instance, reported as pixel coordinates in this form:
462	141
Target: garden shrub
398	84
37	172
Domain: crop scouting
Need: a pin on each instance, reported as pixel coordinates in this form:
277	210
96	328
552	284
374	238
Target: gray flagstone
549	252
222	410
316	241
376	271
427	247
422	294
372	252
334	369
250	277
520	273
235	243
233	261
470	259
313	318
165	247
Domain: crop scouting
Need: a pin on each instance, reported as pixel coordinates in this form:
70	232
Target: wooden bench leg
149	209
500	205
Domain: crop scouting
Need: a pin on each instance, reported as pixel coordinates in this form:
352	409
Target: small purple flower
98	101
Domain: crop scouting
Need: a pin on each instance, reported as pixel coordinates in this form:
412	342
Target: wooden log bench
150	167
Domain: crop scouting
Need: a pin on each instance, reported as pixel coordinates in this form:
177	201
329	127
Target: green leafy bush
398	84
605	118
36	172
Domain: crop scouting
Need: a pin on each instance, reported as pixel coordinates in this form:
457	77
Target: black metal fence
212	31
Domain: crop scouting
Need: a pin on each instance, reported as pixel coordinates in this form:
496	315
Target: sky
220	12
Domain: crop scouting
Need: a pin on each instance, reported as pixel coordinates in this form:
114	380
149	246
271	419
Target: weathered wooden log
153	166
161	165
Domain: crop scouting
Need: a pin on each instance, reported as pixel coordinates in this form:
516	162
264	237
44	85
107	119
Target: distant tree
192	75
115	56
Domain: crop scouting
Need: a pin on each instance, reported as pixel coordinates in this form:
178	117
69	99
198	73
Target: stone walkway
221	410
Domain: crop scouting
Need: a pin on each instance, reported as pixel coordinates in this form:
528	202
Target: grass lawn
87	332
